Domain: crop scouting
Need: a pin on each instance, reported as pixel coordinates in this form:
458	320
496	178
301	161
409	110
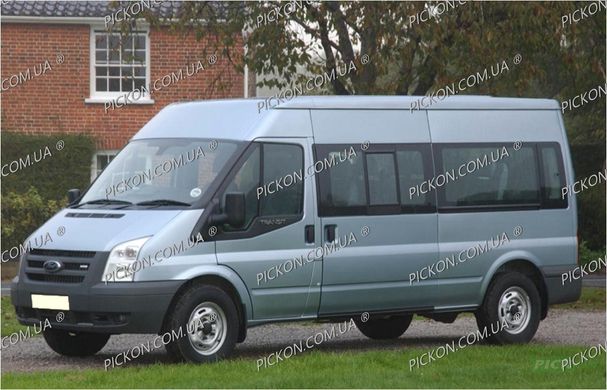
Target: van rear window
488	174
553	176
501	175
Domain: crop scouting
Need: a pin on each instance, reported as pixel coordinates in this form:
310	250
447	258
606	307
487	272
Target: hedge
23	213
589	160
37	187
52	168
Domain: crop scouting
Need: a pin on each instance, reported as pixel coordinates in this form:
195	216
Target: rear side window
414	167
487	175
380	180
553	177
342	189
381	172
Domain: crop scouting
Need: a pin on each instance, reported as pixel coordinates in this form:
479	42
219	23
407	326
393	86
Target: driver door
269	251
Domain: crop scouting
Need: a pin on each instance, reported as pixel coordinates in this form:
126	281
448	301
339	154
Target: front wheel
384	328
208	320
75	343
511	311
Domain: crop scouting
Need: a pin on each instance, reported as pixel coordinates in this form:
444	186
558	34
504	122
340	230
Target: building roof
95	9
81	9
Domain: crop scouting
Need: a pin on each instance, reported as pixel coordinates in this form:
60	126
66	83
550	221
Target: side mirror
73	195
233	211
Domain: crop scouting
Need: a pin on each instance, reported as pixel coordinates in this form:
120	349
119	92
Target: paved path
594	281
570	327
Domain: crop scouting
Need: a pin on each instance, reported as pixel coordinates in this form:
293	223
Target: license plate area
51	302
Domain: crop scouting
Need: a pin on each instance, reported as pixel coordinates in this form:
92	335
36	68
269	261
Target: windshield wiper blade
162	202
104	201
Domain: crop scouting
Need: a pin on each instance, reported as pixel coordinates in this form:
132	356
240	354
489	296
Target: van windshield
160	172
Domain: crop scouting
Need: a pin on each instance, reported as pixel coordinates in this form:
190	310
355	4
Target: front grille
52	278
66	265
75	265
62	253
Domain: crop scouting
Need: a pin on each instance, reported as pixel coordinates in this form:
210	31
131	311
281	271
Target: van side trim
408	310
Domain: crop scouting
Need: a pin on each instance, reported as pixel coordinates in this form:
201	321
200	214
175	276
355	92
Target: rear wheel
384	328
75	343
209	321
511	310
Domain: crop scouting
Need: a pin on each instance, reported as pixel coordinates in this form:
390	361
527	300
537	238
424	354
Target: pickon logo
52	266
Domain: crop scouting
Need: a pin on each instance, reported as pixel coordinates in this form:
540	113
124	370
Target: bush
587	255
588	160
591	217
23	213
34	193
53	175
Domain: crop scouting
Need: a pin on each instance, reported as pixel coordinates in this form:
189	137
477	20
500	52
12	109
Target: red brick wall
55	100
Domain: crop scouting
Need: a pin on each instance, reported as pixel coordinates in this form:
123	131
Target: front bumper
94	306
137	307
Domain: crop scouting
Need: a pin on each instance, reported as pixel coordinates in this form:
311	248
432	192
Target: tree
417	48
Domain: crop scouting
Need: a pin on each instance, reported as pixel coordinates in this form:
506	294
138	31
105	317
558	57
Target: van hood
100	229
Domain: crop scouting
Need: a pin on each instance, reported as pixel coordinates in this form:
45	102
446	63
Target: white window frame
106	96
94	167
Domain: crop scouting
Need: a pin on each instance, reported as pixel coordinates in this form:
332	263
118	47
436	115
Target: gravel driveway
561	327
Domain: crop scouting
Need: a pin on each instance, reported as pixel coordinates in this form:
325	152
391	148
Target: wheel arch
228	281
525	263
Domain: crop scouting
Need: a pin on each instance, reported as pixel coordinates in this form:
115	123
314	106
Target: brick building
63	71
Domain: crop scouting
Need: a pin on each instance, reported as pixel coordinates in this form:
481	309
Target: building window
101	159
119	64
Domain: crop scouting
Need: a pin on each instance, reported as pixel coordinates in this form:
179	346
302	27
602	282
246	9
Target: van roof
245	119
422	102
468	102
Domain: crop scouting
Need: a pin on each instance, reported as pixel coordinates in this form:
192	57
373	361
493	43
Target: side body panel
279	286
545	237
372	274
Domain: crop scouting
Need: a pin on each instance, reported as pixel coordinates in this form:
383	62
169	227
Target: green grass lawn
9	318
472	367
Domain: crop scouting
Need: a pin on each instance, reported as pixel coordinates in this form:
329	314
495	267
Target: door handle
309	234
330	232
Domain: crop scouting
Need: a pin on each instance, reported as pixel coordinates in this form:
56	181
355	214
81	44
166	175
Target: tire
384	328
209	320
511	310
75	343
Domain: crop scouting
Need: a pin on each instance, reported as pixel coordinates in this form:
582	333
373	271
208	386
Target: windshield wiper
104	201
162	202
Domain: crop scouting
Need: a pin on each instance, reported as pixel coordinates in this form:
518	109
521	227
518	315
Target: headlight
122	257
